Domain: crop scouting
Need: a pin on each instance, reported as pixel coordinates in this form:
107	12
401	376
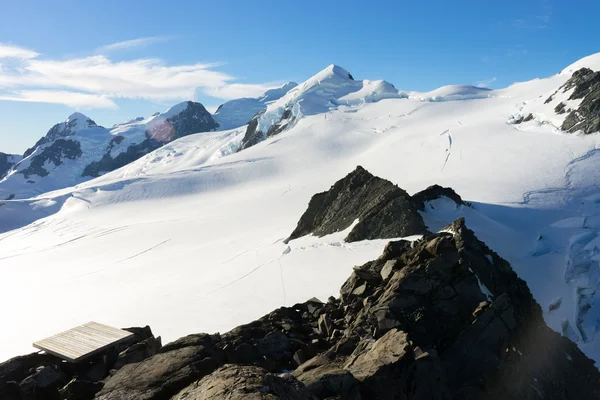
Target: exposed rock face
193	119
107	163
382	208
235	382
56	153
239	112
435	192
7	161
70	127
42	376
586	118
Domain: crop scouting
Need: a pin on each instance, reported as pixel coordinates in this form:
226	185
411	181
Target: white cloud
486	83
8	51
96	81
131	44
71	99
237	90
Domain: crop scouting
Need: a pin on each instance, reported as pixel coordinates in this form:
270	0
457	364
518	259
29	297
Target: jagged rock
435	192
233	382
521	119
329	380
161	375
7	161
78	389
56	153
74	123
383	210
586	86
138	352
18	368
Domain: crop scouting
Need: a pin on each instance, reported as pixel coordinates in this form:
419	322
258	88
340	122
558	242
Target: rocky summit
382	209
441	317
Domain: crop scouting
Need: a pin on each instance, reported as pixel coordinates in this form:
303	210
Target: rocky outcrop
56	153
435	192
107	163
383	210
254	136
182	120
70	127
586	86
234	382
7	161
43	376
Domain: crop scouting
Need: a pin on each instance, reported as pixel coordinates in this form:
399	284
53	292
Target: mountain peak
333	71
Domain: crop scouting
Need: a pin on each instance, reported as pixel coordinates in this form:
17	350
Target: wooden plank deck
83	341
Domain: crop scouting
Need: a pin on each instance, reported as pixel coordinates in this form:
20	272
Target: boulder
162	375
234	382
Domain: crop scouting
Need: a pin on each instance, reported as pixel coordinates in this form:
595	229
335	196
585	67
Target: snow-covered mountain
78	149
238	112
7	162
189	237
330	88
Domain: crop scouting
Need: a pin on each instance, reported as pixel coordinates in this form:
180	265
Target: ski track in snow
143	252
449	148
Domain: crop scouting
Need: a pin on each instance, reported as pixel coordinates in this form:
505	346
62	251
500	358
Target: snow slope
329	88
71	146
238	112
189	237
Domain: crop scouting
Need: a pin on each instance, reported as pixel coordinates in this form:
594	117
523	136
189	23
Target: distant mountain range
78	149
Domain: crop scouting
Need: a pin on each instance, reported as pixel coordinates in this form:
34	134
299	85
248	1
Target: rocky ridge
441	317
7	162
382	209
586	87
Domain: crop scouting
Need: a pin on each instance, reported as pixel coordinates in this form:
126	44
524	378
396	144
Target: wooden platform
83	341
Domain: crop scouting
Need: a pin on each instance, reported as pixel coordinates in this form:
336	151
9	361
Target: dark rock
138	352
78	389
560	108
19	368
162	375
254	136
7	161
107	163
233	382
328	381
55	153
521	119
383	210
586	86
62	130
436	192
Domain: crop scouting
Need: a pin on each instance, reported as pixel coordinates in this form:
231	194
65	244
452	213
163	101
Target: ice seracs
330	88
238	112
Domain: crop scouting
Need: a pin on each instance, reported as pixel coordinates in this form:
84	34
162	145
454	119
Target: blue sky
114	60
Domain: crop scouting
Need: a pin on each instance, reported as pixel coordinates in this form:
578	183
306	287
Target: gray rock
161	376
56	153
586	86
78	389
383	210
233	382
